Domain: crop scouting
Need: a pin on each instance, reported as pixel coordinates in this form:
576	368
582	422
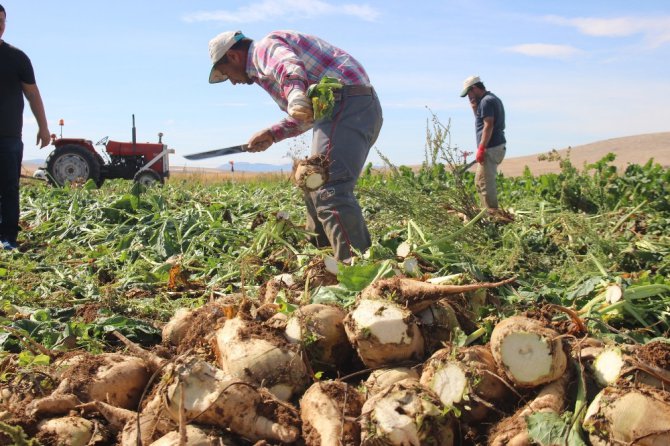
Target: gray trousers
485	178
333	213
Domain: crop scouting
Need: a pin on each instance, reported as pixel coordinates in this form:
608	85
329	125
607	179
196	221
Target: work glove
300	106
481	153
260	141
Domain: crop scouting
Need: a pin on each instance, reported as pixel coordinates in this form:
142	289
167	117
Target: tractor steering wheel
103	141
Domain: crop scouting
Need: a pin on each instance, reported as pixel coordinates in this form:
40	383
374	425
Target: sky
569	72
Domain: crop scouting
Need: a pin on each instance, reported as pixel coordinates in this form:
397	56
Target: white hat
218	47
468	83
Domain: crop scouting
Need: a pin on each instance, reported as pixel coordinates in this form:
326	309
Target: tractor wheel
72	163
148	177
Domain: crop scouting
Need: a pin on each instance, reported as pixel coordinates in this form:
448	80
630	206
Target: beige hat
218	47
468	83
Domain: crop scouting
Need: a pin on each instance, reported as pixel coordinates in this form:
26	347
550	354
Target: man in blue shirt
490	129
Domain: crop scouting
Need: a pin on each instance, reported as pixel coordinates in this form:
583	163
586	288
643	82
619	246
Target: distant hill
35	162
637	149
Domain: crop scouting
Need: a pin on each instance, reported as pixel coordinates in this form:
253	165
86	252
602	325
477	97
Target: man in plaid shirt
285	64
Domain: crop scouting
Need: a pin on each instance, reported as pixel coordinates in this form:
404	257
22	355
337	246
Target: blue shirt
491	106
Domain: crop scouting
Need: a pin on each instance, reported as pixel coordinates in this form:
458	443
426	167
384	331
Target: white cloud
656	30
545	50
267	10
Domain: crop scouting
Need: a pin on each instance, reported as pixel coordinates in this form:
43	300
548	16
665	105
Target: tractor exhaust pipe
134	133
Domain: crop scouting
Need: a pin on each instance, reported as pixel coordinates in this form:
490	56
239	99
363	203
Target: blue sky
569	72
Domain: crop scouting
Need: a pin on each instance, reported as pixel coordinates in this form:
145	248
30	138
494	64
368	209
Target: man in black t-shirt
16	80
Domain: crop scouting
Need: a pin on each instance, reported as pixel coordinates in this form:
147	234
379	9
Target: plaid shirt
284	60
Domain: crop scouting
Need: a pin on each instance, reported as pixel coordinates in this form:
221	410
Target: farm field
634	149
201	310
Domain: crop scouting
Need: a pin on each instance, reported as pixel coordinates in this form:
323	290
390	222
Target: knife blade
218	152
461	170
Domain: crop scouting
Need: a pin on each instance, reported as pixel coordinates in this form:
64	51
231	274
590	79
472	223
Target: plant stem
623	219
472	337
453	235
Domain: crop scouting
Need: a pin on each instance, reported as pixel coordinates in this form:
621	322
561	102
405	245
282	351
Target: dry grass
198	175
210	176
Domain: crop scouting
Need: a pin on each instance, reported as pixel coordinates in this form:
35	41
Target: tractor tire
71	164
148	178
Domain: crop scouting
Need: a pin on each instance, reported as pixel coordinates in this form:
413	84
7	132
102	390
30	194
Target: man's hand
260	141
43	138
300	106
481	154
474	100
474	104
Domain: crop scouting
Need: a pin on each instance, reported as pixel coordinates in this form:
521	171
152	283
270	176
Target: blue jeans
333	212
11	155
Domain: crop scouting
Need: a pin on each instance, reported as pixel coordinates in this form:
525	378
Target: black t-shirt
15	69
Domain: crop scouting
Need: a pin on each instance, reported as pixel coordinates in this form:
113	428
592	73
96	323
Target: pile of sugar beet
387	370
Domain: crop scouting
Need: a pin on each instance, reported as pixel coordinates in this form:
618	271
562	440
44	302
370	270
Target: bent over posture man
285	64
16	80
490	130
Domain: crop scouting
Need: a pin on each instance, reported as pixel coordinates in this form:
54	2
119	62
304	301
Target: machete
461	170
218	152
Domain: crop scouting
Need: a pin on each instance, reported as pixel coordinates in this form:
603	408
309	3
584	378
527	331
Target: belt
353	90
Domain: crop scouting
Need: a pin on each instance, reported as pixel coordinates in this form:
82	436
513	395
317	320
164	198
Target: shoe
9	246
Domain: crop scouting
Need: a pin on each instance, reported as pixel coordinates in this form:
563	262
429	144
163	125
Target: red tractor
77	160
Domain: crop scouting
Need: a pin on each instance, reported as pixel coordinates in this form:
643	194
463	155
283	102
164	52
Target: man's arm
278	61
32	93
487	131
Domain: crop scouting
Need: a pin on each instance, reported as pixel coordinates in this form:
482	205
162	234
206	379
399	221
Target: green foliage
284	306
323	98
598	188
137	254
549	428
357	277
61	329
27	359
352	279
17	435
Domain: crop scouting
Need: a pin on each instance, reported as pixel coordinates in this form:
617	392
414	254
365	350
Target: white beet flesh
450	384
260	361
406	413
608	365
530	353
527	356
383	333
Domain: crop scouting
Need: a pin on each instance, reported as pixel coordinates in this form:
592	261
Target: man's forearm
32	93
487	132
37	107
288	128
